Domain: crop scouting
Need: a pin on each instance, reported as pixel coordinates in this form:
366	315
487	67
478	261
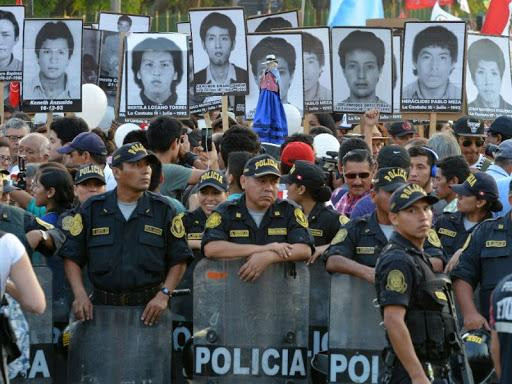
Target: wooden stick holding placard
433	124
119	89
224	114
49	119
306	124
207	120
2	117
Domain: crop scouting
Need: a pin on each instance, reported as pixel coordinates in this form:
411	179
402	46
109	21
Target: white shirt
11	251
109	178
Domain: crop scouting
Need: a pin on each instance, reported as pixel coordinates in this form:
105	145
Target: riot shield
250	332
356	337
116	347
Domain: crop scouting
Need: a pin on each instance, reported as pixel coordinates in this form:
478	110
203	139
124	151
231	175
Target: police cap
502	125
131	153
305	173
213	179
88	172
389	179
261	165
483	186
407	195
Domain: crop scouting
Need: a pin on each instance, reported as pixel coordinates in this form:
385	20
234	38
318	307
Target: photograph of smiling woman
488	82
11	41
157	74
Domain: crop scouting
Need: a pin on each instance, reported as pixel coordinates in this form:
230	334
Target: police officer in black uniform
485	259
414	304
501	323
131	240
354	250
477	199
258	226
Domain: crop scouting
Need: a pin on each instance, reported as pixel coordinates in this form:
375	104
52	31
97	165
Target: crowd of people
138	218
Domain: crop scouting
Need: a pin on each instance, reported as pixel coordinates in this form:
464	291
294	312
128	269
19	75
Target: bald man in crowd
35	147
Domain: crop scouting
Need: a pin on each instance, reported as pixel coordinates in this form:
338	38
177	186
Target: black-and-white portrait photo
11	42
119	22
287	48
220	51
363	57
156	74
52	67
488	82
433	66
267	23
91	56
183	27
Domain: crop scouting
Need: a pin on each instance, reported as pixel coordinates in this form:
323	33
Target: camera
329	165
21	180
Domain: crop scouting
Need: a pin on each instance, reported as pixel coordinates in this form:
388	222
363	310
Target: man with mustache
258	226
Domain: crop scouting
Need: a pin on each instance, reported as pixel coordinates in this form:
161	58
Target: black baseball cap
130	153
393	156
85	141
401	128
407	195
213	179
305	173
389	179
502	125
88	172
469	126
261	165
481	185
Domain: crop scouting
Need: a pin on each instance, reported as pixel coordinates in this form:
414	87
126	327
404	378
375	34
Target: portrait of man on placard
364	57
314	66
11	39
267	23
90	56
219	41
489	75
432	66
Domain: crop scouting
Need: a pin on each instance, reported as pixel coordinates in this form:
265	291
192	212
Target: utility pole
115	6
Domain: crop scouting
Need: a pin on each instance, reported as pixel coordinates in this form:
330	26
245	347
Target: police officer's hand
283	250
453	261
154	309
254	266
82	307
474	321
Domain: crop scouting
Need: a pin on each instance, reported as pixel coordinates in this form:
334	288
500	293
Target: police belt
135	297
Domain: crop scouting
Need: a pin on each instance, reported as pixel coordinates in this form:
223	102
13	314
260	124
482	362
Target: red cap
297	150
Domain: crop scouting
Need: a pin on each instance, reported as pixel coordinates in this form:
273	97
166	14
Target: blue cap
85	141
502	125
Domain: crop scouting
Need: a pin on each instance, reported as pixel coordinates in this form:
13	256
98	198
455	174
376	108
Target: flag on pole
354	12
420	4
497	18
439	14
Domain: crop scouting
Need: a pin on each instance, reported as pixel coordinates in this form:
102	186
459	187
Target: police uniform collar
373	224
198	214
143	204
243	212
316	211
402	241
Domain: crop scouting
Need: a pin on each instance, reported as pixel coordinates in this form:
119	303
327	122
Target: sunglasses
468	142
362	175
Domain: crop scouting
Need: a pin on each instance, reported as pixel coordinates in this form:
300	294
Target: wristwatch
165	291
44	235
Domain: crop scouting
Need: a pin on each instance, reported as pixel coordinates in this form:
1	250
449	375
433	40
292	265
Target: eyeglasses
361	175
14	138
468	142
5	158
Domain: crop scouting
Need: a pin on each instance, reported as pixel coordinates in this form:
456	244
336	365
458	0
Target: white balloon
94	105
324	143
122	131
293	119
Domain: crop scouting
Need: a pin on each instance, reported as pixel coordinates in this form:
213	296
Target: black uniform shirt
283	222
487	257
194	224
124	255
324	223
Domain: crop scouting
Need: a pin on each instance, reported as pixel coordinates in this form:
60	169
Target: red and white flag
497	19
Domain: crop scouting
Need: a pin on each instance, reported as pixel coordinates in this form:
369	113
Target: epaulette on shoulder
94	199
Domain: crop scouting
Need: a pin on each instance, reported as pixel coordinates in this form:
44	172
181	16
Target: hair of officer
444	145
67	128
239	138
126	18
236	164
418	150
15	123
273	45
454	166
364	41
319	193
53	31
312	44
162	132
349	145
137	136
216	19
358	156
486	50
159	44
270	23
435	36
9	16
62	182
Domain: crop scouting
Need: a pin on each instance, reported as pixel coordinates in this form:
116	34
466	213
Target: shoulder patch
67	222
434	239
300	217
396	281
76	225
213	220
177	227
343	219
339	237
43	223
